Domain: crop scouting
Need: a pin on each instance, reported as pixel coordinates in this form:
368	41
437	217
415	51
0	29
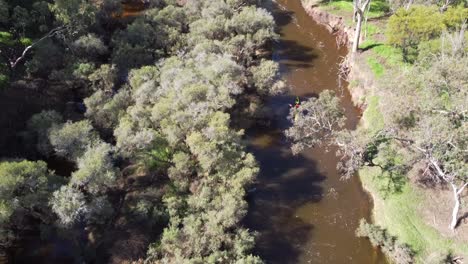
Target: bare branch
14	63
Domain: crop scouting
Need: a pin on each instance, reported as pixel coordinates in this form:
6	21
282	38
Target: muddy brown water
302	211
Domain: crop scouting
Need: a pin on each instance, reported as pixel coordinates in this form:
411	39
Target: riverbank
408	215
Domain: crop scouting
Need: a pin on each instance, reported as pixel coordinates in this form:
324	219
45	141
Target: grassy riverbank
406	214
410	214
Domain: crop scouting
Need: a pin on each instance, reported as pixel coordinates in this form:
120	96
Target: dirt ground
439	214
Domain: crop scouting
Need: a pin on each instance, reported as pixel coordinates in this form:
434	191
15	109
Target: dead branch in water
343	72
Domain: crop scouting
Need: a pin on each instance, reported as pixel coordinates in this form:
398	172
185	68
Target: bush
71	140
408	28
39	125
69	204
95	169
400	253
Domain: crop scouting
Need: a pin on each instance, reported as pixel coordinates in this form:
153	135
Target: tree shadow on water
286	183
289	53
292	55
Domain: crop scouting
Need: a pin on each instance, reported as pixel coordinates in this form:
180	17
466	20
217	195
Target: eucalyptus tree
70	140
25	187
157	33
360	7
315	121
39	126
434	125
96	172
106	108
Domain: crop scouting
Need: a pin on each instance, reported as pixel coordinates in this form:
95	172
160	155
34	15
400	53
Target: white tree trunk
456	207
456	197
357	33
359	9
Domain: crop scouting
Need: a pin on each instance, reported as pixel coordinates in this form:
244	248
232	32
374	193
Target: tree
96	172
315	121
71	140
265	77
408	28
39	125
360	7
90	45
4	12
105	108
433	125
76	15
104	78
425	125
24	186
69	204
24	189
379	237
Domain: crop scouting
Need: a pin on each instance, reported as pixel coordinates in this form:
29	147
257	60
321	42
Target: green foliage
78	14
6	38
25	41
265	77
372	115
393	164
199	62
90	45
96	171
69	204
156	33
4	11
4	81
400	253
40	124
408	28
20	17
399	214
104	78
131	140
83	70
24	186
105	109
376	67
47	57
71	140
454	16
315	121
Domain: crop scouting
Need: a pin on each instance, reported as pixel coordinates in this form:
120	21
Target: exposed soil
439	214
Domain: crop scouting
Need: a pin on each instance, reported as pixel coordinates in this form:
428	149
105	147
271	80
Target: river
302	211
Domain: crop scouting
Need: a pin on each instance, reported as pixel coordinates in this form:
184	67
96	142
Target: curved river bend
301	209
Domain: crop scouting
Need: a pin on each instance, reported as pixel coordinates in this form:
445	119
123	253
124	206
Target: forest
123	124
131	123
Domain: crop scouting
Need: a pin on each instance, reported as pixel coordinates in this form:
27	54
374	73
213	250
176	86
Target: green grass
392	56
372	116
376	67
377	8
398	213
369	44
370	30
340	5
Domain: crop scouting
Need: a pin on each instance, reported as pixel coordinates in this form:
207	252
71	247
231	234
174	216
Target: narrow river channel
302	211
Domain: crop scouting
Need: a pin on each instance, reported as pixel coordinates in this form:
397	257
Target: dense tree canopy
150	100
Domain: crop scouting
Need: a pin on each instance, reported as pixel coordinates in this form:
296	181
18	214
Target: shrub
379	237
